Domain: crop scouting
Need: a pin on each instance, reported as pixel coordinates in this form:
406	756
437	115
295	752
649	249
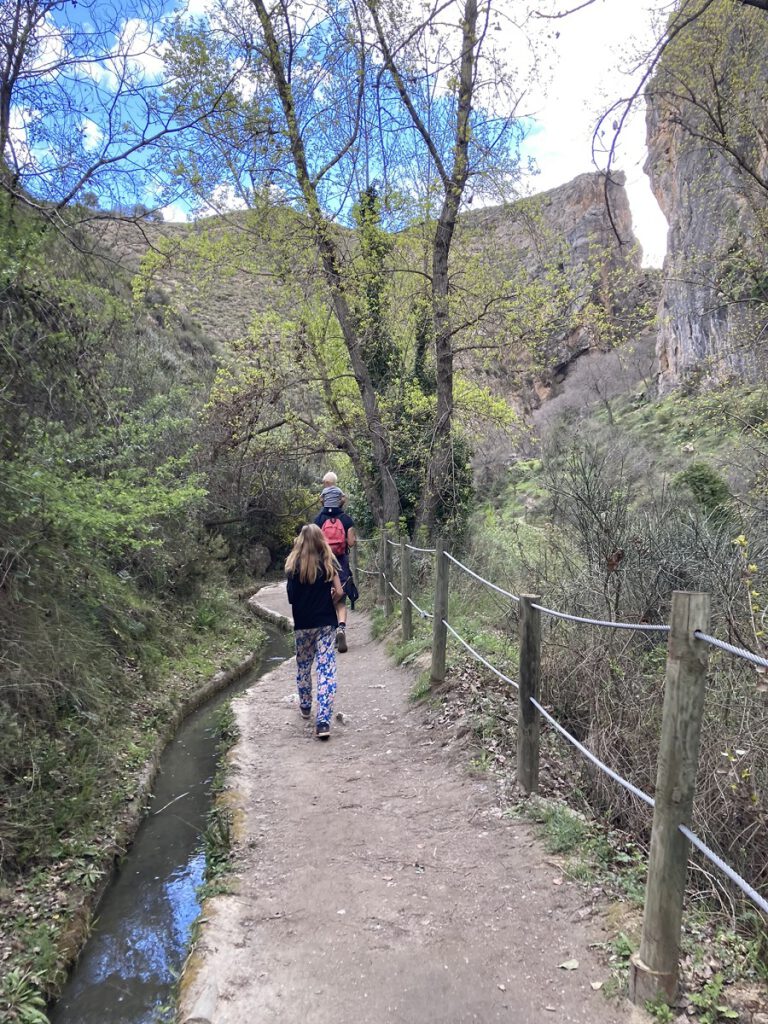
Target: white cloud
137	40
175	213
245	86
223	199
50	46
589	59
18	135
197	8
215	12
92	134
136	53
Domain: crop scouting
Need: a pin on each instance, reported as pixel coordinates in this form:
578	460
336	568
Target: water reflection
128	967
131	960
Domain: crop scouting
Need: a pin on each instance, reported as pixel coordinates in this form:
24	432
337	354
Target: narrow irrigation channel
126	972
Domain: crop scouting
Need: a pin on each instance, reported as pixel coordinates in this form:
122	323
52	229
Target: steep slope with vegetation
606	514
668	495
534	284
113	599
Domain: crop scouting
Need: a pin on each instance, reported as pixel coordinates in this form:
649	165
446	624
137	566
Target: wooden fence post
439	632
382	549
388	593
528	720
406	611
654	969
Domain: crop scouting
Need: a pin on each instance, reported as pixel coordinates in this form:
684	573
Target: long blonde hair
311	551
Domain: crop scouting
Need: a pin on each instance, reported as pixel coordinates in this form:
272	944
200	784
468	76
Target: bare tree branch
563	14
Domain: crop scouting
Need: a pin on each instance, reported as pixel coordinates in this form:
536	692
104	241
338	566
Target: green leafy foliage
710	1003
21	1000
661	1011
708	488
101	543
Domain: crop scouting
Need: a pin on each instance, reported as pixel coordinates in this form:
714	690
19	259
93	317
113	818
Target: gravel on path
376	879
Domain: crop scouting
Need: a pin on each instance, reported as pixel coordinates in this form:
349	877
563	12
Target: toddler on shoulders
332	495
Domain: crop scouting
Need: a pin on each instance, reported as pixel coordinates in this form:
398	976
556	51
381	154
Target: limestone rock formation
576	211
583	232
577	238
708	167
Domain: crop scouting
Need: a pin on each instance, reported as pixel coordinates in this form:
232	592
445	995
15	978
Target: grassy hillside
616	501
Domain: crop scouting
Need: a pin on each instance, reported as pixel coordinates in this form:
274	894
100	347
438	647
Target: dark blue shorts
344	572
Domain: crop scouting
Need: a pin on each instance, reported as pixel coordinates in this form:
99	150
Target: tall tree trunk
454	182
388	508
441	461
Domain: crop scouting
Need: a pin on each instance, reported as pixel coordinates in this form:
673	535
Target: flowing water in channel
126	972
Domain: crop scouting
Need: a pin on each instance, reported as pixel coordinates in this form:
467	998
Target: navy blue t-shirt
311	603
347	522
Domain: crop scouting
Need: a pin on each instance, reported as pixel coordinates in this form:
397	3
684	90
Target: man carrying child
339	529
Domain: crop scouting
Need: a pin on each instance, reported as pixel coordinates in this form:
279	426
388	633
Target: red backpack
335	534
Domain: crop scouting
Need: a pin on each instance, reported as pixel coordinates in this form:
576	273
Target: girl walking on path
313	590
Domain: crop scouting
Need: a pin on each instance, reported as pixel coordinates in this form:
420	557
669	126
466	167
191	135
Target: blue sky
587	67
584	57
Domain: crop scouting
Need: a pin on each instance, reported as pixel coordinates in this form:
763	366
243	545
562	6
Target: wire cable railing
627	785
482	579
424	614
643	626
740	882
479	657
740	652
608	623
737	880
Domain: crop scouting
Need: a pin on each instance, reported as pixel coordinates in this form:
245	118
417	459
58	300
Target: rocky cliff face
557	241
578	239
575	214
708	169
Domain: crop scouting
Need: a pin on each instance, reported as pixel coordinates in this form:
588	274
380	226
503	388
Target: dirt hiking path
376	880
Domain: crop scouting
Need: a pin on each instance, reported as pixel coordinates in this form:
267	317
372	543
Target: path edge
262	612
203	1005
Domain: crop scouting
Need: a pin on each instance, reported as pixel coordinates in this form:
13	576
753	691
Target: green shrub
706	486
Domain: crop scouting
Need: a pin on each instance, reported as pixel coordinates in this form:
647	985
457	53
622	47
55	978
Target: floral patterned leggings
317	643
